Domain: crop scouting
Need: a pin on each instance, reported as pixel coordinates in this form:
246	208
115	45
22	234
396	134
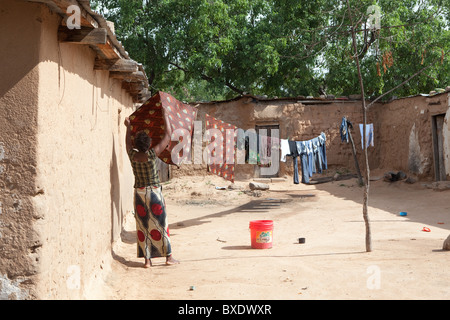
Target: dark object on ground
392	176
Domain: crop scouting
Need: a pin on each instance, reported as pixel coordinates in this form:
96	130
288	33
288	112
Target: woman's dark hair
142	141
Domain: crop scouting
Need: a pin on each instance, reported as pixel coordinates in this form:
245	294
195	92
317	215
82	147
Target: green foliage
413	35
217	49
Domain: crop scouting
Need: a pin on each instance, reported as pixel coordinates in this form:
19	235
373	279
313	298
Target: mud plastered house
65	178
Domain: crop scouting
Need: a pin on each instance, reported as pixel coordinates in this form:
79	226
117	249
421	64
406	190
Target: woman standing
152	228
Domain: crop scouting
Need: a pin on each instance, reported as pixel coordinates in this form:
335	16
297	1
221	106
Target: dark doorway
437	123
268	130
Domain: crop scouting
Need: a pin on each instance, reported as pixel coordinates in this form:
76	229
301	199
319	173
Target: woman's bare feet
170	261
148	263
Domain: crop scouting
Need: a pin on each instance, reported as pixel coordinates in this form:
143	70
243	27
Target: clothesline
148	118
344	131
258	150
312	154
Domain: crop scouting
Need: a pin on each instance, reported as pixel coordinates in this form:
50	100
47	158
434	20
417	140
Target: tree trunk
366	160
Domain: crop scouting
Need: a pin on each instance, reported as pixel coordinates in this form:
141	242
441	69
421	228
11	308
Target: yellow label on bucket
263	237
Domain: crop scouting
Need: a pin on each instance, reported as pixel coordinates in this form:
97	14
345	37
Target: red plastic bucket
261	234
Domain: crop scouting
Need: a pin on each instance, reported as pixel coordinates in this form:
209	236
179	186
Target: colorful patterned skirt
153	239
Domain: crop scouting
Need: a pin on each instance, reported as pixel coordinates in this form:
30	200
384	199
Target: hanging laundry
148	118
294	154
284	145
240	142
251	147
316	153
224	147
264	149
313	157
241	147
258	148
323	150
319	152
369	135
302	150
274	144
343	129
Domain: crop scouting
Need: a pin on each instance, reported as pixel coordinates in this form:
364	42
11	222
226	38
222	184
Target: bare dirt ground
210	236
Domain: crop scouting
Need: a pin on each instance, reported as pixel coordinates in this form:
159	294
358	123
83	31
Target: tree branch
229	85
208	78
404	82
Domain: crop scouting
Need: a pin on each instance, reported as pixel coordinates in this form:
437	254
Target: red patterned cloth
222	147
149	118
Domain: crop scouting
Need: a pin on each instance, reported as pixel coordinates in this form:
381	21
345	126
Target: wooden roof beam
111	55
130	76
122	65
82	36
133	87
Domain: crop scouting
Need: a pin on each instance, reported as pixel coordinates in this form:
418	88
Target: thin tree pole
366	160
358	171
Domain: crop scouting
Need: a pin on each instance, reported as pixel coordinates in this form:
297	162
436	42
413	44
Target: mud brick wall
297	120
402	130
65	178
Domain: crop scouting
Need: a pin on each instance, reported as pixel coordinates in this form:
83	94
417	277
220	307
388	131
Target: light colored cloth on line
369	135
285	150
